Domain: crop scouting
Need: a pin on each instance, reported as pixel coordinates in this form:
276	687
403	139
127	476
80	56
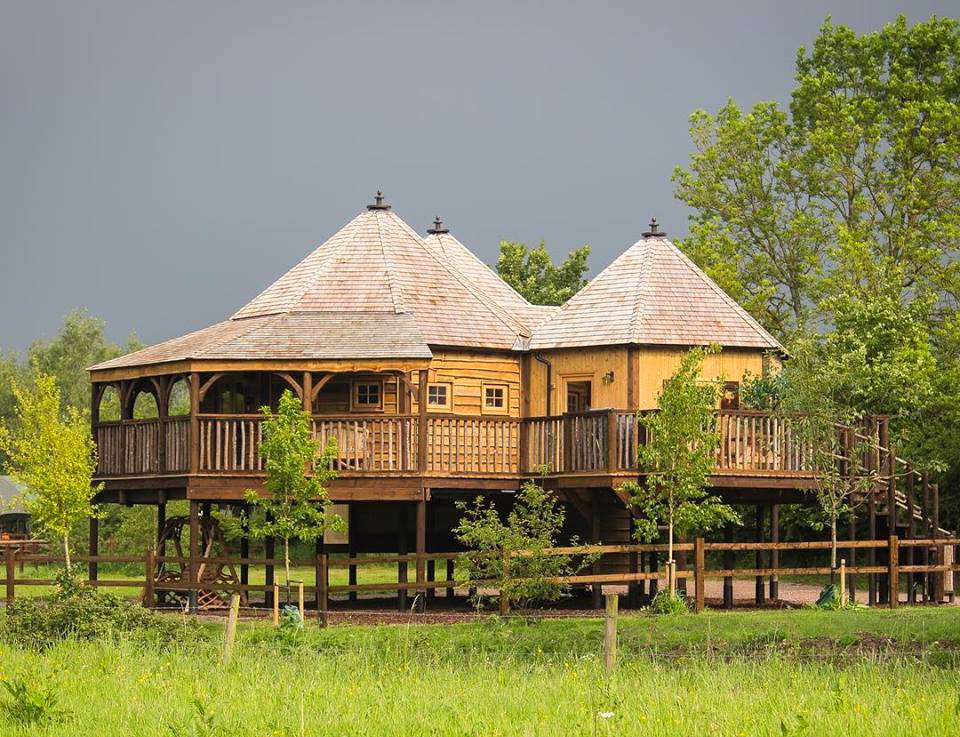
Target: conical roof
460	258
652	294
373	290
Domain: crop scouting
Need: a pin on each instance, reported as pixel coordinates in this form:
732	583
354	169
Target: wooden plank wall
334	397
588	362
658	364
468	372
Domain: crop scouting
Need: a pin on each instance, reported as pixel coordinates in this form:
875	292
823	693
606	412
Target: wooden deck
405	453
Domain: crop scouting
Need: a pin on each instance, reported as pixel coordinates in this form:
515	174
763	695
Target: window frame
356	405
448	405
494	410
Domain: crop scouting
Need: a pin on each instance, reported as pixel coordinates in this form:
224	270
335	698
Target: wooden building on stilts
439	382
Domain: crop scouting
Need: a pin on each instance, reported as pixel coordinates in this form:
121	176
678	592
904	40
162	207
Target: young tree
532	526
295	507
678	457
51	453
534	275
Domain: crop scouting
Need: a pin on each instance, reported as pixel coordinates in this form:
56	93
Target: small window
438	396
495	398
368	395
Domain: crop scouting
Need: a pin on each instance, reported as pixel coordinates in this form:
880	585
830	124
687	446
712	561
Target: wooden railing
599	441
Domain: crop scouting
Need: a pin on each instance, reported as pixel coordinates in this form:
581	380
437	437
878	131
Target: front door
578	396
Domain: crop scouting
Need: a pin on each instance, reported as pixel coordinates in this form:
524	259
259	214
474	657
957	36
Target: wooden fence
940	570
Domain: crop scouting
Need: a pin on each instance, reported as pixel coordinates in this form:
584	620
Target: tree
678	457
51	453
532	527
856	186
295	506
534	275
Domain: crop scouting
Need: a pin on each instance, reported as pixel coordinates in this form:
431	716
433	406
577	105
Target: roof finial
437	227
378	202
654	231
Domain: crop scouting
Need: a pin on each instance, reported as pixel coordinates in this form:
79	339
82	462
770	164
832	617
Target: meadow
859	672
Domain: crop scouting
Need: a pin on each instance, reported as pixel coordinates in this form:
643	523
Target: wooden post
402	565
596	588
633	588
851	584
422	423
699	566
937	576
610	633
194	423
431	577
161	522
308	392
151	567
300	601
351	554
421	543
276	605
193	578
873	463
774	554
927	532
504	601
450	577
231	633
92	566
612	435
911	535
269	551
843	581
244	556
758	558
11	573
893	587
728	562
323	588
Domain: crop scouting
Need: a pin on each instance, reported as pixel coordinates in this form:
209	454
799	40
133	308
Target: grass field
760	673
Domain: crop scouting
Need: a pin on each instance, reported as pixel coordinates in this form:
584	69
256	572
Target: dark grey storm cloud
162	162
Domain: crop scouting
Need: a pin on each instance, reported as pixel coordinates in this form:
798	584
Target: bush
77	610
27	706
666	603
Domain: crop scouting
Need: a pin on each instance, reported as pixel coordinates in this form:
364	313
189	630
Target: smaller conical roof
460	258
652	294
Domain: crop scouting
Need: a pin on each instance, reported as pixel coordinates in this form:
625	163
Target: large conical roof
652	294
373	290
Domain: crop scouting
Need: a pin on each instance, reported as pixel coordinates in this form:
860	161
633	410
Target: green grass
683	675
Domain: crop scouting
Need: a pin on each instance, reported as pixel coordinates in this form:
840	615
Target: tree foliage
533	525
295	506
678	457
51	453
533	274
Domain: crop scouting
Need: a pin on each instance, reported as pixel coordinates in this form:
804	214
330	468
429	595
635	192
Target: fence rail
942	566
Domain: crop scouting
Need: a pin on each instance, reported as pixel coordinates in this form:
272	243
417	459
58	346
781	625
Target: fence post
843	581
276	605
11	573
231	634
323	588
300	601
612	438
610	633
893	552
151	566
698	567
504	601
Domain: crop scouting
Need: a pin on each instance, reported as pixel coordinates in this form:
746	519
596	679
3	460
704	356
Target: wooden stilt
595	537
450	577
92	571
351	553
728	564
269	551
774	554
194	555
421	543
402	565
758	581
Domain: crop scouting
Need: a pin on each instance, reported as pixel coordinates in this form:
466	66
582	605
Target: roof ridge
396	290
638	300
485	265
750	319
483	298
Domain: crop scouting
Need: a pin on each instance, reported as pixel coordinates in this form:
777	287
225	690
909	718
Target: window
368	395
495	398
438	396
731	395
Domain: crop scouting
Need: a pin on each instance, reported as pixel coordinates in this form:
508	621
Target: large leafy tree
50	452
533	274
678	457
295	506
857	185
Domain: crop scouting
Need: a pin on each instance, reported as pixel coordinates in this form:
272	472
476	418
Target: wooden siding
658	364
468	372
590	364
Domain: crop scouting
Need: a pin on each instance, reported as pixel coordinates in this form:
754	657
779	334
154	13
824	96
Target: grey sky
160	163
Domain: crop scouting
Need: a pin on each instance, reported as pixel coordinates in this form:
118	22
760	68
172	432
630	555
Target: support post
351	554
161	523
893	567
633	588
505	572
911	535
450	577
699	566
194	423
728	563
402	565
610	633
244	554
851	582
92	566
938	576
194	581
269	551
323	587
774	554
612	438
11	573
421	543
596	588
149	571
431	578
758	558
422	423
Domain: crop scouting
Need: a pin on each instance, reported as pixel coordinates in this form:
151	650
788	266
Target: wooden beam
291	381
210	382
307	394
318	385
194	422
422	434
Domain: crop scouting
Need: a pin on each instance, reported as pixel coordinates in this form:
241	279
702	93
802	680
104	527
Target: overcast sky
162	162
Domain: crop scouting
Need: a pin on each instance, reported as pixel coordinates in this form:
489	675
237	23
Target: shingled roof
652	294
373	290
457	256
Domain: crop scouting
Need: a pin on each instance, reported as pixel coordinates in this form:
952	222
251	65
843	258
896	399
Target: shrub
666	603
80	611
